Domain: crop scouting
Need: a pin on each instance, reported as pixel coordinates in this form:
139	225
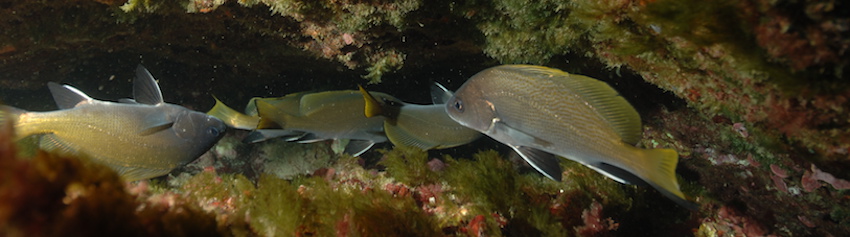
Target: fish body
139	139
541	112
423	126
329	115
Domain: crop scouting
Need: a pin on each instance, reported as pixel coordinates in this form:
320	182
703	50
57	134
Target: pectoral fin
519	137
155	128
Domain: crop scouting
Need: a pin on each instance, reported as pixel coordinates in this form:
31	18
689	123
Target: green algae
276	207
518	31
226	196
363	212
409	166
493	186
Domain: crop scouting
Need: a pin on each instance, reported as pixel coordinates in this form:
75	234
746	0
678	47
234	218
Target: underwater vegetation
751	94
415	196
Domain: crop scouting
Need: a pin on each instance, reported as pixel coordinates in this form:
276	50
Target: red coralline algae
780	184
741	224
476	226
778	171
809	182
839	184
436	165
594	225
811	177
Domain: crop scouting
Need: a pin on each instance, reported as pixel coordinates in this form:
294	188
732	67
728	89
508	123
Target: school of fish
541	113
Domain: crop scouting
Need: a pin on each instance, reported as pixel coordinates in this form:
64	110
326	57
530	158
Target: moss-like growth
494	187
227	196
409	166
276	209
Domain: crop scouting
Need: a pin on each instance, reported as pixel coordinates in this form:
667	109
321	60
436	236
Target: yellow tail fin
661	172
232	117
373	107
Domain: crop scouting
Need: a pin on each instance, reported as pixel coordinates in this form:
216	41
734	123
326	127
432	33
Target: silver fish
541	112
139	139
422	126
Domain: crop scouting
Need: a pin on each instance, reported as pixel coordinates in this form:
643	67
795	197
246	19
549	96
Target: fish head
470	108
198	127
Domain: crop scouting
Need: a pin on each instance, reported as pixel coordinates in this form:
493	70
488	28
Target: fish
139	138
422	126
319	116
542	113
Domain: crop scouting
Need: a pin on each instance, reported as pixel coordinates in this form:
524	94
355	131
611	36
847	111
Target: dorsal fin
439	94
145	89
66	96
613	108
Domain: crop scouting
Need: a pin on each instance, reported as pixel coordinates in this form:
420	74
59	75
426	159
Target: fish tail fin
9	114
661	173
373	107
267	111
232	117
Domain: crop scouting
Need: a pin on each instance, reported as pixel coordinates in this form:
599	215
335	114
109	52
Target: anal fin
542	161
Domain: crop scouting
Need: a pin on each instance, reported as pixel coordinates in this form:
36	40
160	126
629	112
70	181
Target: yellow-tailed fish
139	138
321	116
250	119
540	111
233	118
423	126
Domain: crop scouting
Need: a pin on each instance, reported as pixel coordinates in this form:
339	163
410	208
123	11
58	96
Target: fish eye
458	105
213	131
